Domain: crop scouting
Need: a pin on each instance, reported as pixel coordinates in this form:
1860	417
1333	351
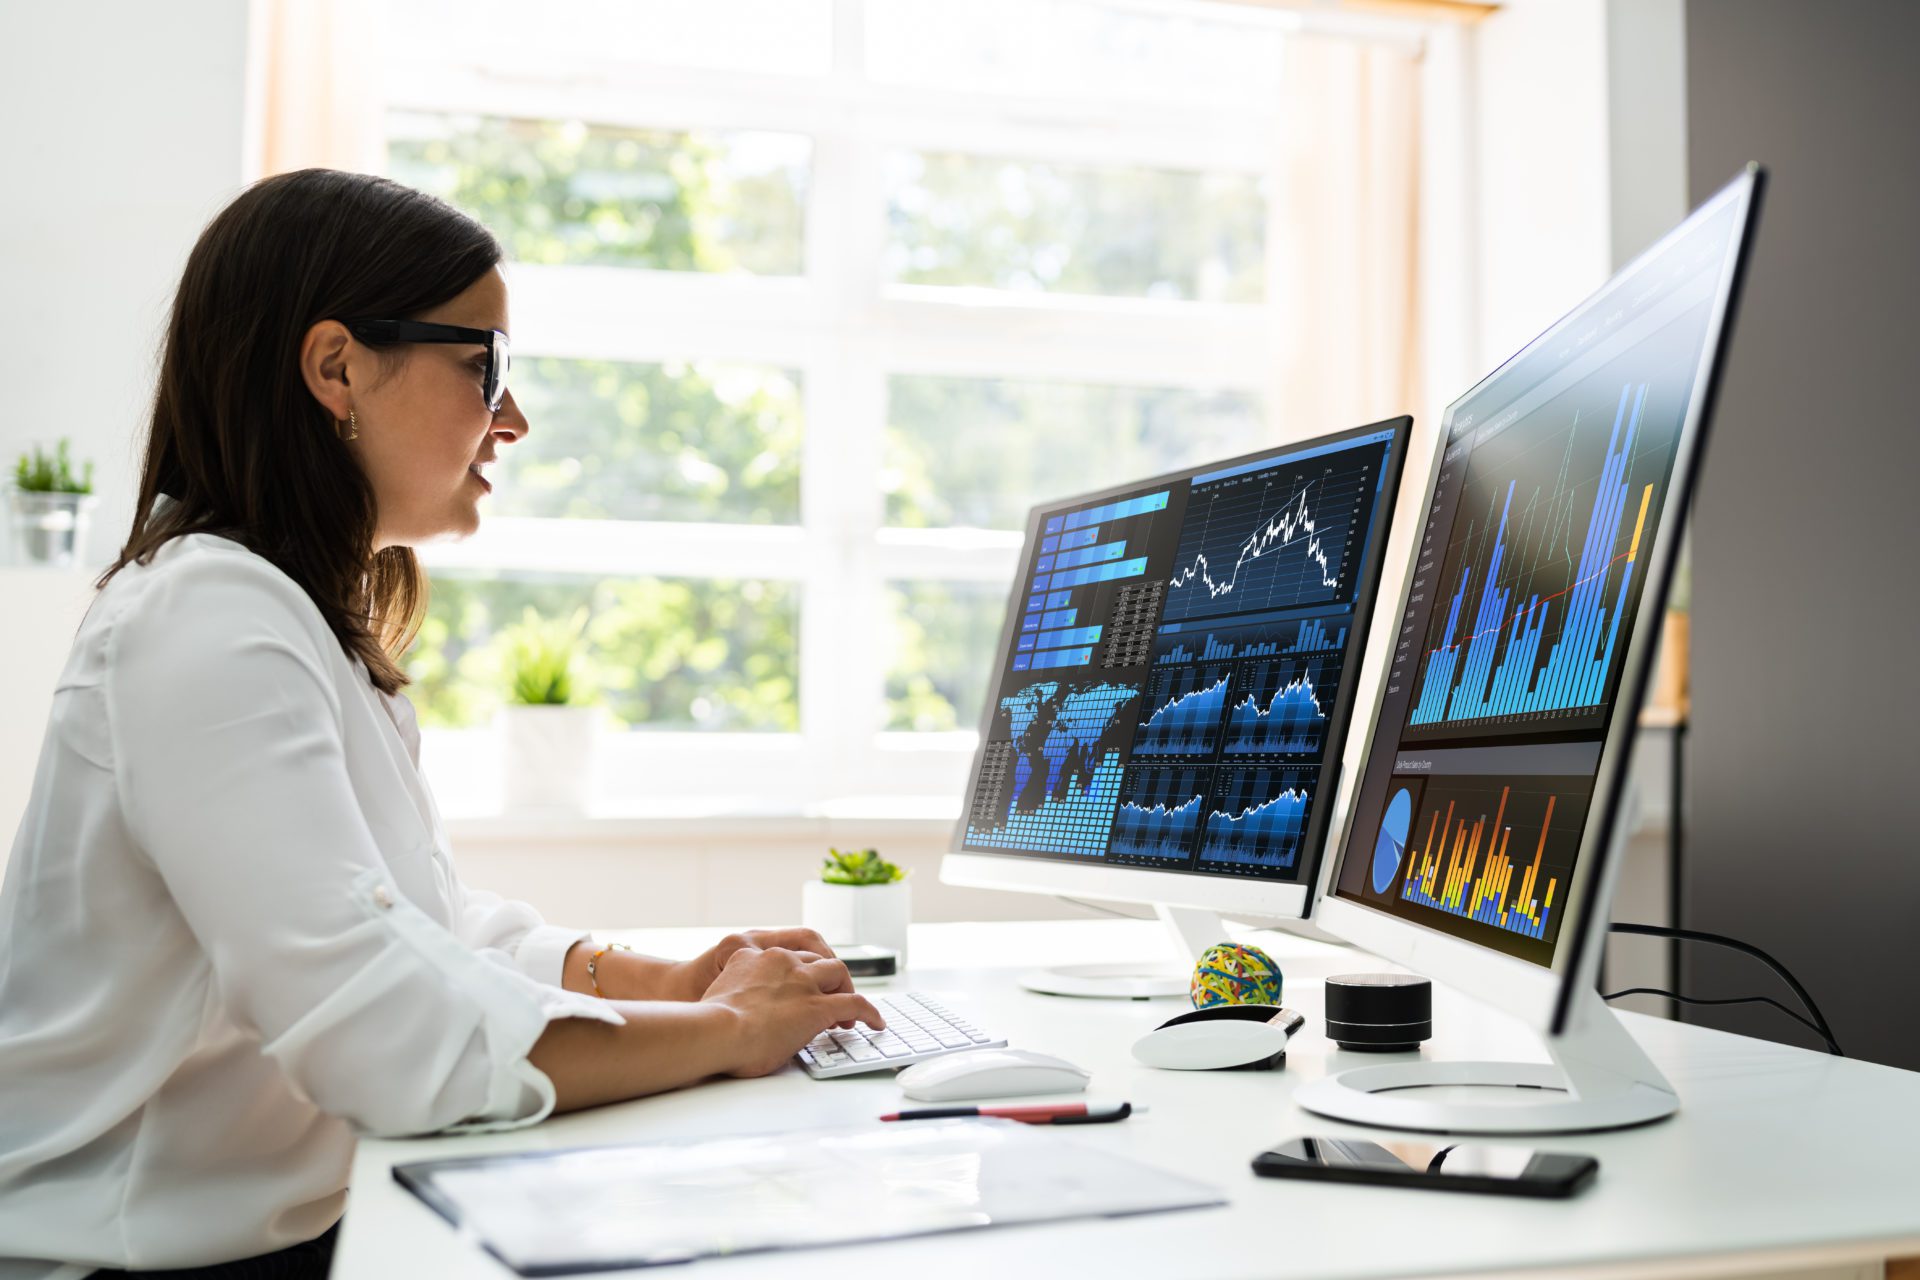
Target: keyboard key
917	1029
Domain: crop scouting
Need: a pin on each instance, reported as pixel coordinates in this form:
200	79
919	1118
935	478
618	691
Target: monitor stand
1600	1078
1193	932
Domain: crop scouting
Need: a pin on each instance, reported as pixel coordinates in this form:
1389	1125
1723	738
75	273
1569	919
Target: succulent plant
860	866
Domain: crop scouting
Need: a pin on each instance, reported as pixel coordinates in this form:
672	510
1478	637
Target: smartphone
1443	1166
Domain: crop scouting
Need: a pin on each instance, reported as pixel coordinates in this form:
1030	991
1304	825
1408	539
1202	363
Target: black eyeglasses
382	332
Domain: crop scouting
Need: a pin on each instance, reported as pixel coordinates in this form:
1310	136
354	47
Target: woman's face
425	431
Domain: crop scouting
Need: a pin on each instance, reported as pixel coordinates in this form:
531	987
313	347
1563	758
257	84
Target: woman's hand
691	978
783	998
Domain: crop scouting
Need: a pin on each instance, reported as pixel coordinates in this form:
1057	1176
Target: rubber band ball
1234	973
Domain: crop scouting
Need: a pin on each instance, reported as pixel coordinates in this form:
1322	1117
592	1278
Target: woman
230	934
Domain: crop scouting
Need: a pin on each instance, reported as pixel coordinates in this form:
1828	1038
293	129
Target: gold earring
352	425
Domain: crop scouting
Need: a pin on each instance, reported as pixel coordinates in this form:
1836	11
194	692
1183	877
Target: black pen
1047	1113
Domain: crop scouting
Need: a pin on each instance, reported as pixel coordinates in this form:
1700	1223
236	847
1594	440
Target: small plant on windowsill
862	866
51	505
547	726
859	898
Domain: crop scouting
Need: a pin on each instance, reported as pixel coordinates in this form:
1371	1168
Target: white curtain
1348	226
314	82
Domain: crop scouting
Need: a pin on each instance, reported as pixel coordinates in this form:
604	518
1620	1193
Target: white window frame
846	331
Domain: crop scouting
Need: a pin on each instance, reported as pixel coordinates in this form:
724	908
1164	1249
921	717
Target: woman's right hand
783	999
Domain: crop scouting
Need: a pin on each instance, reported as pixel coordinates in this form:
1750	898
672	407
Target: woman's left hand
693	977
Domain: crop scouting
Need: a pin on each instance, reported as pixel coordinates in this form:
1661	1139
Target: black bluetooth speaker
1379	1012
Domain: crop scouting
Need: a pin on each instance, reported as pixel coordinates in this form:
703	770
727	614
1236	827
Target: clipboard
548	1213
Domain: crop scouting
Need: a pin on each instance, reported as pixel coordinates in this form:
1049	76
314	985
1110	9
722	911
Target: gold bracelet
593	962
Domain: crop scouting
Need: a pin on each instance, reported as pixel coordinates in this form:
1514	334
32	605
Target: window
811	302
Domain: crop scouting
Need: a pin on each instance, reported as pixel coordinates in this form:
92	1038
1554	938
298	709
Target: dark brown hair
238	439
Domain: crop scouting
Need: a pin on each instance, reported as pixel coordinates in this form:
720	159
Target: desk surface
1779	1157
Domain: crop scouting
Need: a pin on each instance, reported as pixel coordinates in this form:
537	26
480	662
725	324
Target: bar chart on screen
1495	852
1253	637
1082	553
1544	583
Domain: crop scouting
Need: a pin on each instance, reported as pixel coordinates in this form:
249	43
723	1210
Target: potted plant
51	506
859	898
547	724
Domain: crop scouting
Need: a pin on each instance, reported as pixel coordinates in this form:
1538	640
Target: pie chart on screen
1392	841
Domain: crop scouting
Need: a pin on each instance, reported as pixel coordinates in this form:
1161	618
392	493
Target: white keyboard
918	1027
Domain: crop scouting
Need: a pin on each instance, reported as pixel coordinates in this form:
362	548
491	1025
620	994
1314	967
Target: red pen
1052	1113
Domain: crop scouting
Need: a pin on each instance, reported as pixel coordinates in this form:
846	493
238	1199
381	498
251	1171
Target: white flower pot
874	915
52	527
546	757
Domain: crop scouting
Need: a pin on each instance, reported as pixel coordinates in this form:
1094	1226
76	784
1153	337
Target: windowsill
713	819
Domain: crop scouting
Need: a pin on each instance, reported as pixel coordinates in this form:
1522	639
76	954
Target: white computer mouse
990	1073
1228	1037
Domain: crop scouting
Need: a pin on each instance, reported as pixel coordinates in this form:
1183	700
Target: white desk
1779	1158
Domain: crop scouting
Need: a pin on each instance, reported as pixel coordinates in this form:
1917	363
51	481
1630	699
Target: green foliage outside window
565	192
667	653
618	440
1030	441
1119	232
944	636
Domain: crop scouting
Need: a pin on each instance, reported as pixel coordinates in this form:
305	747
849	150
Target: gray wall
1805	774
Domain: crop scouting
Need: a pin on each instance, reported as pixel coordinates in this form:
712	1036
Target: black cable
1819	1022
1675	995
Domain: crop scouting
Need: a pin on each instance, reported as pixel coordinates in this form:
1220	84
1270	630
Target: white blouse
231	936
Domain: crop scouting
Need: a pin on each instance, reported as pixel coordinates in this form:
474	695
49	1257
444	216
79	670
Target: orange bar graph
1465	868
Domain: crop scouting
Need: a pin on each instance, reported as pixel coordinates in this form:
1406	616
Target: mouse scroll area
991	1073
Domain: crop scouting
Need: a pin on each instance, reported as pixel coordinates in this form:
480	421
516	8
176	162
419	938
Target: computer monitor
1173	688
1484	835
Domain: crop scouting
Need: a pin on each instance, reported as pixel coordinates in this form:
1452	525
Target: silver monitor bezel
1541	996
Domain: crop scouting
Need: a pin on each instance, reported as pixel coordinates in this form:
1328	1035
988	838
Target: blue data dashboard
1174	674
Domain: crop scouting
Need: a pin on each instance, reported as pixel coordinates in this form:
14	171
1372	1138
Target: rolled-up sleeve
226	731
516	931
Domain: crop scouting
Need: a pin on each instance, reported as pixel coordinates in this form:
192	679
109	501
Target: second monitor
1174	683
